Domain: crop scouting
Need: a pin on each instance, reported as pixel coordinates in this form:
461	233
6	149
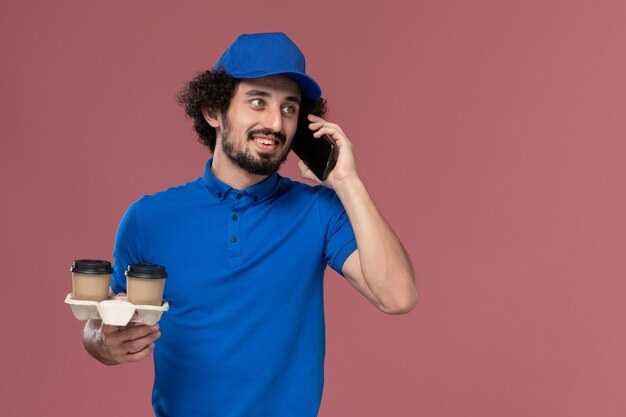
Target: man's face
260	123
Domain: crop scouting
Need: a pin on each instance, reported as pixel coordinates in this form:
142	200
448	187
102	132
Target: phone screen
319	154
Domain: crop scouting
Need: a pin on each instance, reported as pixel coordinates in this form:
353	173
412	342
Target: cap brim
310	89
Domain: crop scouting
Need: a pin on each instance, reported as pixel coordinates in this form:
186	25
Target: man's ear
212	118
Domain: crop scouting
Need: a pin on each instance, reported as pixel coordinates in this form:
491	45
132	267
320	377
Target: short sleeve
340	240
127	249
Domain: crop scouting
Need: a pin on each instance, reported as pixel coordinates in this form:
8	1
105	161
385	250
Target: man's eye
257	102
289	109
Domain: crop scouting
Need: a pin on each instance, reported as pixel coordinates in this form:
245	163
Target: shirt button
233	239
255	198
219	195
235	217
238	196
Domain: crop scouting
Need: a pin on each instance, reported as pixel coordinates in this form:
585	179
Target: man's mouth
264	141
266	137
265	144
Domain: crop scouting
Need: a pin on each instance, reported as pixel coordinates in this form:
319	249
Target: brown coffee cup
91	279
145	284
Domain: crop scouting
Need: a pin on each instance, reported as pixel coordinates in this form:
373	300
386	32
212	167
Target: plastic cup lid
146	271
91	266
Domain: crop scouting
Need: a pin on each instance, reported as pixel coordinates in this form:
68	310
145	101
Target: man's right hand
114	345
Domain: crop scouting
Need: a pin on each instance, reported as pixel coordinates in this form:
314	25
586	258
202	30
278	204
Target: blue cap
262	54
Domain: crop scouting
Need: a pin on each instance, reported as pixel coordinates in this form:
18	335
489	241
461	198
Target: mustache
267	132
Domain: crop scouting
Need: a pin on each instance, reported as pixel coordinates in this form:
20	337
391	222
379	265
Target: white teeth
265	141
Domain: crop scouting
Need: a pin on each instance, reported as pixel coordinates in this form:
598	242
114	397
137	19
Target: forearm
385	264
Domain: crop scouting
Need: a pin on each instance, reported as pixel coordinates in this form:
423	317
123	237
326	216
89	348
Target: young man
245	249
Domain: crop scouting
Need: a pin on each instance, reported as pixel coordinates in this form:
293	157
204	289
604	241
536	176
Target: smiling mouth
266	137
264	141
265	146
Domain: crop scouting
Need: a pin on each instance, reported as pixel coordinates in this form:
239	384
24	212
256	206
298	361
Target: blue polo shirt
245	334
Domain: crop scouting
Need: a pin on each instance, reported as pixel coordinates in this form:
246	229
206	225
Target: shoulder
322	197
316	192
170	196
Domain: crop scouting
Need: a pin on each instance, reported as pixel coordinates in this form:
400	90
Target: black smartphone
319	154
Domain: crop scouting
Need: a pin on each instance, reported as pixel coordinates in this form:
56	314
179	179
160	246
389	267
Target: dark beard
265	165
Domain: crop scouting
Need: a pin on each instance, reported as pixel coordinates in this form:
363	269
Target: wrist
348	186
94	345
347	182
102	352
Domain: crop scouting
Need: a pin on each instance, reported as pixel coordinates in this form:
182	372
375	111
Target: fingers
317	122
129	344
136	345
326	130
117	337
323	127
345	167
142	354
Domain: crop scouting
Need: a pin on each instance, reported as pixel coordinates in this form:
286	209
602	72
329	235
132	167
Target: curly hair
212	90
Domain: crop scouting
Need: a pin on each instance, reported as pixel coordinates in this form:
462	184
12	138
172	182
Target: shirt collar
255	192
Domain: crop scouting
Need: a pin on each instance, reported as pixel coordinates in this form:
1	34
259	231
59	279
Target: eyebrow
262	93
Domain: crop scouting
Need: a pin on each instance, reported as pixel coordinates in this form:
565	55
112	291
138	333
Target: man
245	249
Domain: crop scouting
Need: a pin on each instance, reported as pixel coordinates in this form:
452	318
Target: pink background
490	133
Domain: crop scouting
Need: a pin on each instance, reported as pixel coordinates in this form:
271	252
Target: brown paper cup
145	284
91	279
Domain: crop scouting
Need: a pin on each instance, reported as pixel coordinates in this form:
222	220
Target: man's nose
273	119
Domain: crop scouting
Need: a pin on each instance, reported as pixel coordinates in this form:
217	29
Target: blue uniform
244	335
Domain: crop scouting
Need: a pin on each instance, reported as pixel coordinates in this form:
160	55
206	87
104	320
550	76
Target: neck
231	174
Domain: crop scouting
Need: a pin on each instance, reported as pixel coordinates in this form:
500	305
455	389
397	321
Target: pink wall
490	133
